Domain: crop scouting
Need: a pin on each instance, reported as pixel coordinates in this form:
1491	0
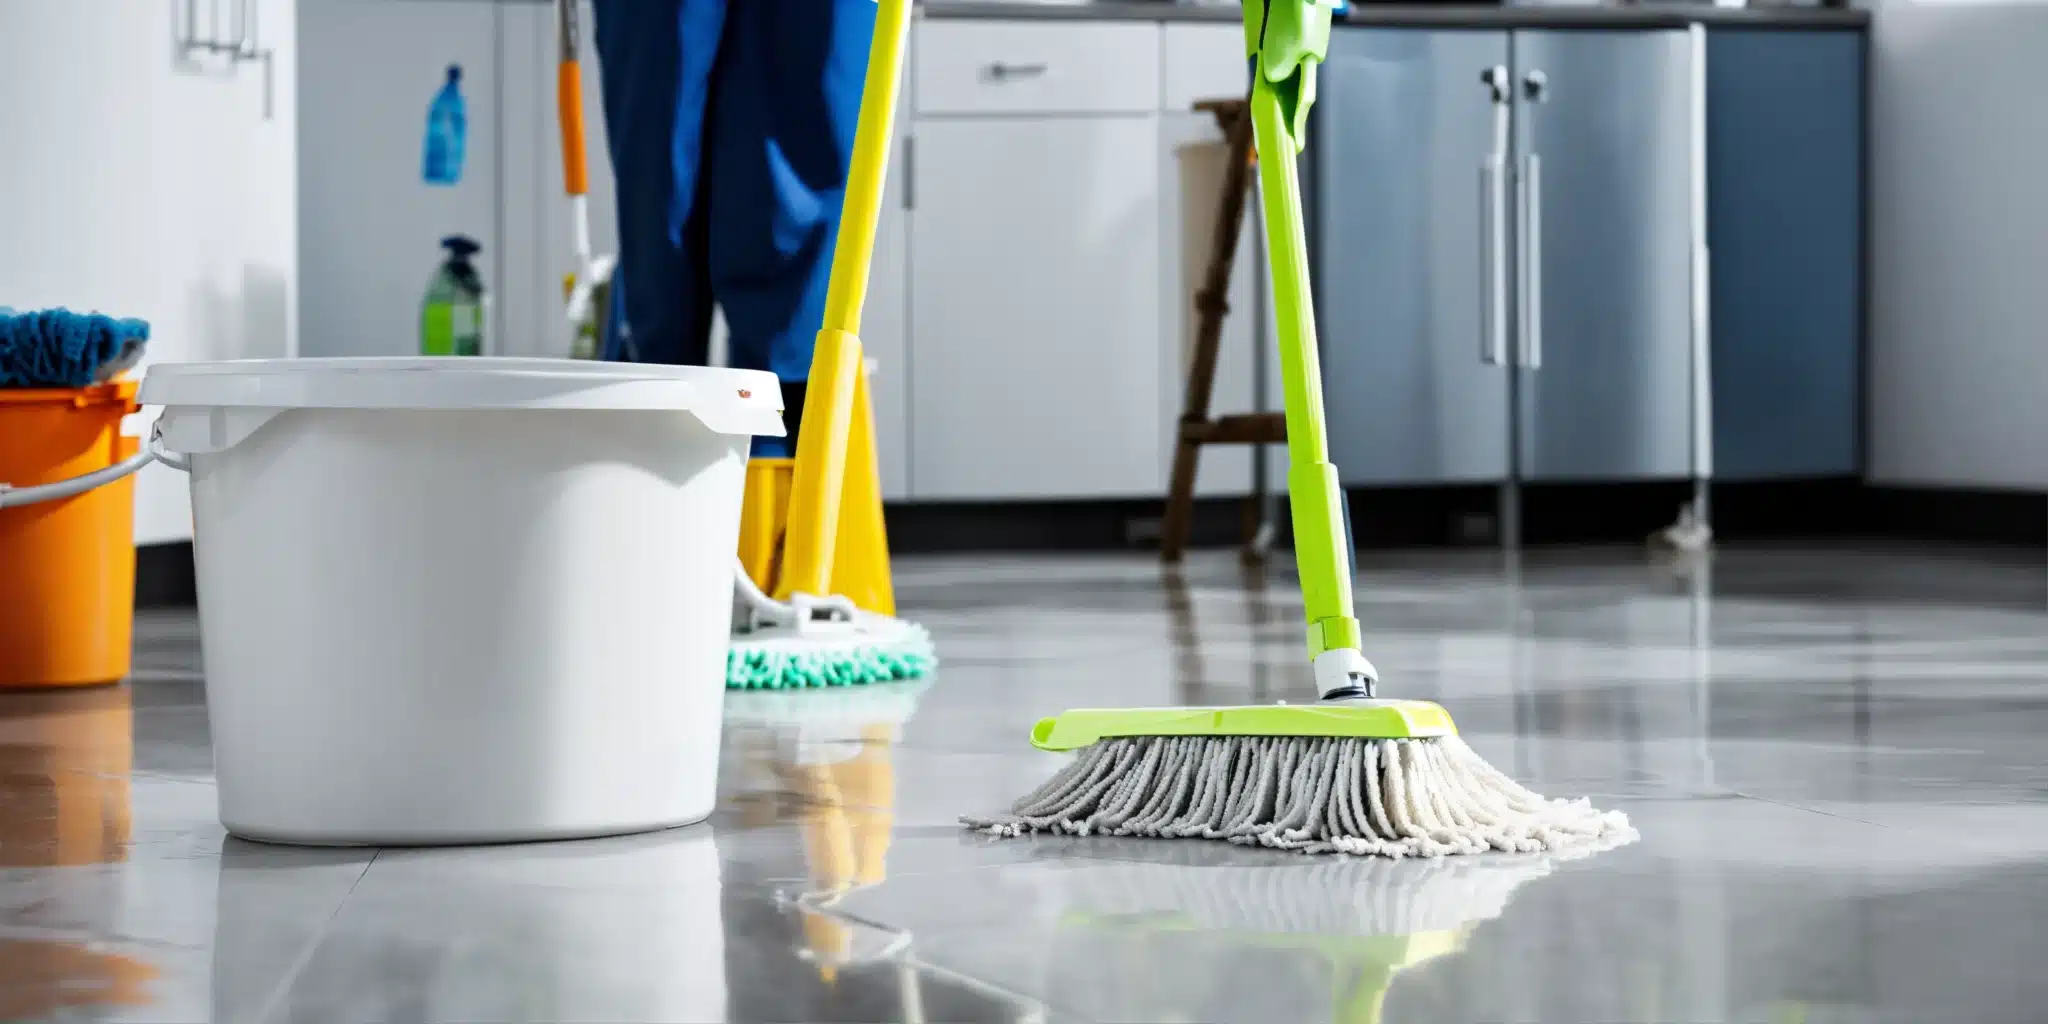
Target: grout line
268	1011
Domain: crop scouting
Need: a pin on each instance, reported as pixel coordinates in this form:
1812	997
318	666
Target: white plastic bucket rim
210	407
725	400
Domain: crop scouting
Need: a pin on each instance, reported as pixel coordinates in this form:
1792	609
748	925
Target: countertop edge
1417	16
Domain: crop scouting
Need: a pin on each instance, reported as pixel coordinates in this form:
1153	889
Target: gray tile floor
1836	762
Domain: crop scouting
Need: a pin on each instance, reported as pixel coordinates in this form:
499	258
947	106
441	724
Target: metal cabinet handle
1530	182
910	172
1529	204
1001	72
1492	324
1493	223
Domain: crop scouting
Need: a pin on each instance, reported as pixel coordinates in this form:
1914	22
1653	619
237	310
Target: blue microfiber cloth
57	348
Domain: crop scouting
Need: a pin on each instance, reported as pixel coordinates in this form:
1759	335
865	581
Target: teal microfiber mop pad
57	348
869	652
814	642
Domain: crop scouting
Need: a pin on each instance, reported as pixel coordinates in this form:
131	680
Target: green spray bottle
452	315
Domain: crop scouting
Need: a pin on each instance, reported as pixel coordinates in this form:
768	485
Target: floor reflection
1343	930
43	979
65	756
1232	644
825	759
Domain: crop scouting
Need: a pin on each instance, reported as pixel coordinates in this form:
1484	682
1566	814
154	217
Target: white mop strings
1368	797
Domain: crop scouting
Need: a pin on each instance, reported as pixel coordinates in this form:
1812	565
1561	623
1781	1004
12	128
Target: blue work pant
731	123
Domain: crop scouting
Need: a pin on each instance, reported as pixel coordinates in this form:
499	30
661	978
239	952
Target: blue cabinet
1785	199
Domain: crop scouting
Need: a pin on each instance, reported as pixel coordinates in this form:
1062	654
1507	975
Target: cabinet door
1408	276
1785	208
1035	308
1605	173
370	228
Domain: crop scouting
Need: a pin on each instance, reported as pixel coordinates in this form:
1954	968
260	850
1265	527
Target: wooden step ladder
1197	427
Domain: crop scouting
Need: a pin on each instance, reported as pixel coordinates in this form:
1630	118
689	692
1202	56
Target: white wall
370	229
1959	301
142	185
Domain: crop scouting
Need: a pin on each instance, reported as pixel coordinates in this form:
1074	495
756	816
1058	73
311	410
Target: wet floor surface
1836	760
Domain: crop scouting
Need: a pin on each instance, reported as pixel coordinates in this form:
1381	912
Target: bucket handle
152	451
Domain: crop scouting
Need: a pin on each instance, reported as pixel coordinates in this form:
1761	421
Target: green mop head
813	642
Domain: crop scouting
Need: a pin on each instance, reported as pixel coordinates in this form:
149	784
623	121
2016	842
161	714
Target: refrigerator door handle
1529	232
1493	222
1530	276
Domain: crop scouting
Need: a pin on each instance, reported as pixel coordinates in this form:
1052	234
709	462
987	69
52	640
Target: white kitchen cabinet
369	227
1035	308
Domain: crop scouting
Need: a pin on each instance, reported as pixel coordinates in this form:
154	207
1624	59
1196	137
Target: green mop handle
1286	39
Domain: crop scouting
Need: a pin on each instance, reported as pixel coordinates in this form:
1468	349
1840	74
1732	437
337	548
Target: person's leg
786	101
654	67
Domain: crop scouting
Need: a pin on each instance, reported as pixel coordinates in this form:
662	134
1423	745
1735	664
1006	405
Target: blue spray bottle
447	133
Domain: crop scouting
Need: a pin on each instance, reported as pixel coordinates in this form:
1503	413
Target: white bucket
463	600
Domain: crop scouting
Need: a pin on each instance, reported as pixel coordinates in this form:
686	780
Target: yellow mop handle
868	169
820	473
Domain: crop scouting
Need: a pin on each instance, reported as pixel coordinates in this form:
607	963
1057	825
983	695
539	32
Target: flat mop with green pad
820	641
805	635
1353	773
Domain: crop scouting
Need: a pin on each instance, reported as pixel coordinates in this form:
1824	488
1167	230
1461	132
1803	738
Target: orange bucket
67	567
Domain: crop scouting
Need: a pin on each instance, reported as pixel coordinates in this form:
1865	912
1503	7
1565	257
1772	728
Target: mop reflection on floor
831	751
1345	928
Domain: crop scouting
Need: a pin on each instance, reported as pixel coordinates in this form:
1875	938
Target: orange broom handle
569	102
575	162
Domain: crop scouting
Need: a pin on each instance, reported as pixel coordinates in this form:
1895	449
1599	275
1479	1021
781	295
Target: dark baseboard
1411	517
1424	517
163	576
1601	513
927	528
1971	517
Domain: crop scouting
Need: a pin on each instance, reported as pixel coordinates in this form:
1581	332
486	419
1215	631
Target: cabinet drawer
1204	62
1027	67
